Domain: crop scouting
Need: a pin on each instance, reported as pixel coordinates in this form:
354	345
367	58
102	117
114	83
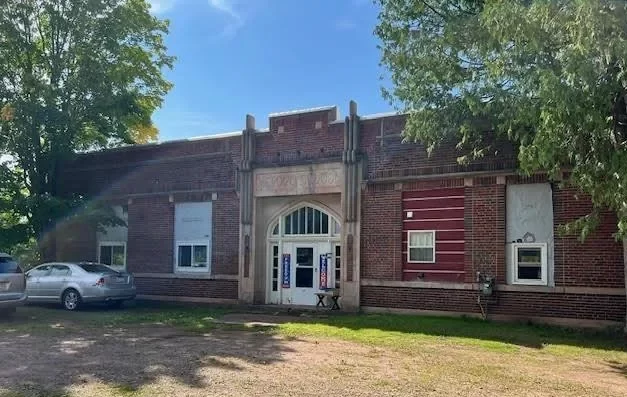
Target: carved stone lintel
298	183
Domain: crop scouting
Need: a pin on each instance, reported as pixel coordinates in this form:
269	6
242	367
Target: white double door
304	271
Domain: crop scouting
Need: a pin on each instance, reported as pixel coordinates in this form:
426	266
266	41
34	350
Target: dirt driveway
160	360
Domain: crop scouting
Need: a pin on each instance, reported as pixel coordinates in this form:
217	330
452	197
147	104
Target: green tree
75	75
551	76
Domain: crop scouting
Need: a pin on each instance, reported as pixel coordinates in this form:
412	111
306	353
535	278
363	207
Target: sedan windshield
96	268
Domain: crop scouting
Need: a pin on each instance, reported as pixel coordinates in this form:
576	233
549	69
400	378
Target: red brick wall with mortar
596	262
300	141
214	171
588	307
150	244
225	256
484	209
381	231
197	288
389	157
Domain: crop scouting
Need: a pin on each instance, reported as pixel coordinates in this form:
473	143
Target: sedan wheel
71	299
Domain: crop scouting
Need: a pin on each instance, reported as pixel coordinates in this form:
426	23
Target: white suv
12	285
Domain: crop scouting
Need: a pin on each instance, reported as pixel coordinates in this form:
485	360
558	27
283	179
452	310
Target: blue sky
263	56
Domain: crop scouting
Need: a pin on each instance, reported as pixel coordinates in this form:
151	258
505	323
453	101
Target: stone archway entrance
304	255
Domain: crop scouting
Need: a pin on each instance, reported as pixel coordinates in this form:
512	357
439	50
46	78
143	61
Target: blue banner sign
286	271
323	271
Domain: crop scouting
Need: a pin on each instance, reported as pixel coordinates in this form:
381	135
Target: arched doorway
303	255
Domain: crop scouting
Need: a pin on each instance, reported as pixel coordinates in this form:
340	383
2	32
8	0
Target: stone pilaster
246	244
351	227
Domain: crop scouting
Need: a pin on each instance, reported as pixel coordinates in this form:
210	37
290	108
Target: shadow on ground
619	367
60	353
522	334
527	335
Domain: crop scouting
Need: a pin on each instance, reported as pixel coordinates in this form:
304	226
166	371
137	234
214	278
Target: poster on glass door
323	271
286	271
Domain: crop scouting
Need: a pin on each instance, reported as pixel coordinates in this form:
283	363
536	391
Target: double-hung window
529	263
192	255
421	246
112	253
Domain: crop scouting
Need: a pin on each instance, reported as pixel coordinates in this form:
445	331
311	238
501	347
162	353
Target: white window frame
112	244
409	247
543	268
192	269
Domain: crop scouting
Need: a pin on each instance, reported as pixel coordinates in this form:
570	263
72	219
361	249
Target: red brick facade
151	179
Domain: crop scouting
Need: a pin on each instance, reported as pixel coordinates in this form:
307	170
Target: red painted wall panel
441	210
444	192
435	213
435	224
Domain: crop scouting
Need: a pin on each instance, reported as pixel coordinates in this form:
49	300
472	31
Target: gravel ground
159	360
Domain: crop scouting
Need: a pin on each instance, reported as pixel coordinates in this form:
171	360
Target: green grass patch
54	319
403	331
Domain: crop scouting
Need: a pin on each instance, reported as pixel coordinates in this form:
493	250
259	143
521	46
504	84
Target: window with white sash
529	263
421	246
192	255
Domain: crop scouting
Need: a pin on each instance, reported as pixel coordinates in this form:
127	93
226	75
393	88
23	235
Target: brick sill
200	276
499	287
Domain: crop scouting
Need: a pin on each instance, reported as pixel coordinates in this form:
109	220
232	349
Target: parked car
12	285
73	284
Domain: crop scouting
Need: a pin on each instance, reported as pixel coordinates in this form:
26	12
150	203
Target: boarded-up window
112	241
529	233
192	235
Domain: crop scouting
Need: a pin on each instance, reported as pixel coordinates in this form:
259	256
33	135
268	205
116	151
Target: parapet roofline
372	116
173	141
301	111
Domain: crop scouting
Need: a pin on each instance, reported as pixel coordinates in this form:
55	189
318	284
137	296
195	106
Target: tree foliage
550	76
75	75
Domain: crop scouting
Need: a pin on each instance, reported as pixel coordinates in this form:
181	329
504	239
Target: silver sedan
72	284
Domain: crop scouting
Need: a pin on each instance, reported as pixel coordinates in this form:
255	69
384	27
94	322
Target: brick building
272	216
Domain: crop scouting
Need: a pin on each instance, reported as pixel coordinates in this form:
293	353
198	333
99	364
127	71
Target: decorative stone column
351	208
246	260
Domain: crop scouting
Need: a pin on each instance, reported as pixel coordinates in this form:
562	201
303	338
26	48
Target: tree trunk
625	271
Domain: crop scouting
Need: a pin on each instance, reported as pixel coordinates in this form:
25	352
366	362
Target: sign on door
286	271
323	271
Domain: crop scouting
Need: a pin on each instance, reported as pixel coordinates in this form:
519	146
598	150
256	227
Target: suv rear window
8	265
96	268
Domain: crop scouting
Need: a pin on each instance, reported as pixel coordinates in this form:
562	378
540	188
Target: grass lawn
151	350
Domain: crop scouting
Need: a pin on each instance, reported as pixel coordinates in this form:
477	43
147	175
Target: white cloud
345	24
161	6
234	20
